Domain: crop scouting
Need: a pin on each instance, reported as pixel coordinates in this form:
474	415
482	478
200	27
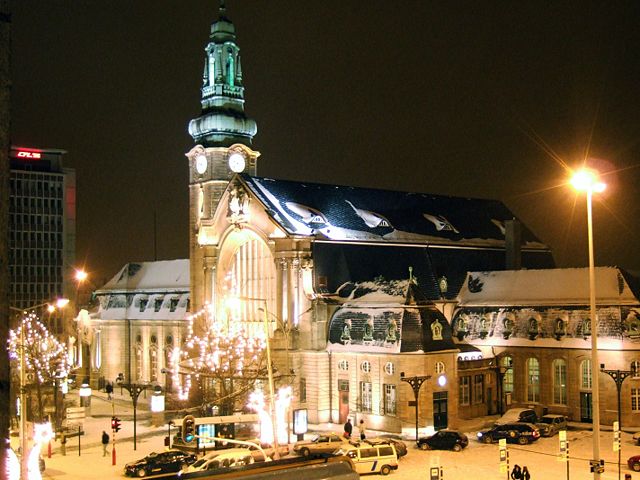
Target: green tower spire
222	122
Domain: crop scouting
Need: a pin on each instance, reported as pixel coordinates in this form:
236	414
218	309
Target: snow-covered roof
343	213
551	287
163	275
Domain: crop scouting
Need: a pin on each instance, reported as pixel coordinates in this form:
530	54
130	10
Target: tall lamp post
619	376
587	180
415	382
135	389
60	303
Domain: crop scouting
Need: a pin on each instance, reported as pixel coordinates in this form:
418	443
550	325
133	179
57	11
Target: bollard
49	450
63	444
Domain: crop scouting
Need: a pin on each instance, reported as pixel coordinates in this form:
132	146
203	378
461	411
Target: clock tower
223	135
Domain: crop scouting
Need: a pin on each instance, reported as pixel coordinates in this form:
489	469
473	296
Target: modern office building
42	228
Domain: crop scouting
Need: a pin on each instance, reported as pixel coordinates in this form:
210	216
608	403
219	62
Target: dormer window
157	305
143	304
173	304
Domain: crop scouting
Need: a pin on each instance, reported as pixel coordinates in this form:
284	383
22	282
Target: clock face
236	162
201	163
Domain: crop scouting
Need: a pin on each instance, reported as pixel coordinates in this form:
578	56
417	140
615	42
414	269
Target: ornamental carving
238	207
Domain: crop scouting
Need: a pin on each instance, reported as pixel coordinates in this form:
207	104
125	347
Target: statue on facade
368	331
345	337
392	331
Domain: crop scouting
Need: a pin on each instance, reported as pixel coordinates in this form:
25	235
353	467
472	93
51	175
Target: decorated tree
225	360
46	359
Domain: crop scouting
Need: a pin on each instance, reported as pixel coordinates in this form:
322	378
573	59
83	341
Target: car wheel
486	439
456	447
636	467
305	452
424	446
512	434
385	470
523	440
141	472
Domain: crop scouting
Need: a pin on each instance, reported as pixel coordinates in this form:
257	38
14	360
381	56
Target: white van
367	458
232	457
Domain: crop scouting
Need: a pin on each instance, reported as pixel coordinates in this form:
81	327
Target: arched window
231	70
533	380
585	375
153	364
439	368
139	362
507	379
560	381
212	69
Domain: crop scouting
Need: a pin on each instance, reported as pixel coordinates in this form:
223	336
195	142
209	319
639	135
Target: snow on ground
478	461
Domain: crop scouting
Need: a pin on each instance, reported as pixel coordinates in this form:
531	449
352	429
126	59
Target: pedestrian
105	443
109	389
525	473
516	473
348	428
363	430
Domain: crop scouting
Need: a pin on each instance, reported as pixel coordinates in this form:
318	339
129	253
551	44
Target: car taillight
536	433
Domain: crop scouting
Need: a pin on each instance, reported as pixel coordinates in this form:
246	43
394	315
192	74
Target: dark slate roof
336	264
346	213
413	316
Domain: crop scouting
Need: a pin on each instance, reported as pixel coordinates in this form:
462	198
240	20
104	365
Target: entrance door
585	407
440	416
343	405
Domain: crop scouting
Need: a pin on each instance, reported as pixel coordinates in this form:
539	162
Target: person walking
348	428
363	430
516	473
109	389
105	443
525	473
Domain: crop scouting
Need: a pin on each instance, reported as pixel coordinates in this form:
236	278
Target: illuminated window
390	399
465	390
365	396
153	364
366	366
507	379
343	365
635	399
635	368
585	375
439	367
139	362
533	380
559	381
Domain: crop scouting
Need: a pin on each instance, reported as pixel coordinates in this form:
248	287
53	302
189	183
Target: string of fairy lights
223	349
45	357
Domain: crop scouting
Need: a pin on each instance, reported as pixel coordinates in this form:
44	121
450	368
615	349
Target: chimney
513	244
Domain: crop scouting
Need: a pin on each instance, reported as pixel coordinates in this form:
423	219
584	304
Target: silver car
551	424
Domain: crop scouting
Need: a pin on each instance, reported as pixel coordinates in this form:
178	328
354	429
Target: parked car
323	443
231	457
164	462
444	440
521	433
368	458
551	424
514	415
634	463
636	438
399	445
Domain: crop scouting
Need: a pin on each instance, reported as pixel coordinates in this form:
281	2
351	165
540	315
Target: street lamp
135	390
587	180
619	376
415	382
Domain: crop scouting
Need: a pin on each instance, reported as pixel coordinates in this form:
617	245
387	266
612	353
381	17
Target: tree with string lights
224	361
46	359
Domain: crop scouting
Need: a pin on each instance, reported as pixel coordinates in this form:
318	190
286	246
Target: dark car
444	440
521	433
401	447
164	462
513	415
634	463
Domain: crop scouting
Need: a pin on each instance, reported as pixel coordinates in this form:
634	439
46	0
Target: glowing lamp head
586	180
62	302
442	380
81	275
51	308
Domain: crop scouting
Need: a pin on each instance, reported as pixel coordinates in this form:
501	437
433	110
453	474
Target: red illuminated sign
23	154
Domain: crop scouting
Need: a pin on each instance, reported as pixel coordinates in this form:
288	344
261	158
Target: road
478	461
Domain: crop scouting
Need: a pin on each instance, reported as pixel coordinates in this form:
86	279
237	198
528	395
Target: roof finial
223	8
410	274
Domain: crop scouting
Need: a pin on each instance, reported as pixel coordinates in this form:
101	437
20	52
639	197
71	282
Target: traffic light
115	424
188	429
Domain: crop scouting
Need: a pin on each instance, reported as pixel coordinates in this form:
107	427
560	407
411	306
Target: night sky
477	99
